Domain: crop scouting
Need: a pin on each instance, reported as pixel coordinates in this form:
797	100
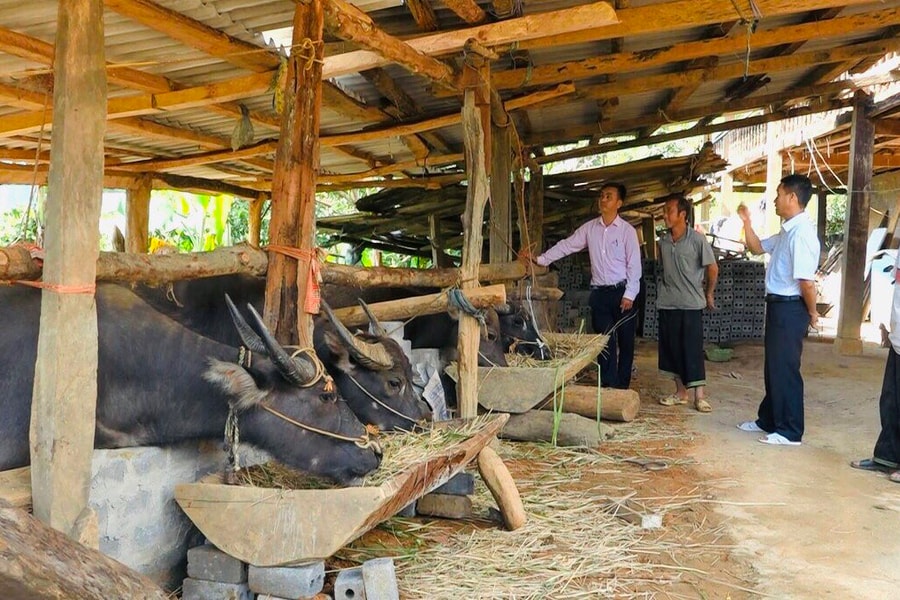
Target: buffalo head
281	399
519	333
371	371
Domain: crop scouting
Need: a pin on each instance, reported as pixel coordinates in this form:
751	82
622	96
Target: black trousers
887	448
781	410
607	317
681	345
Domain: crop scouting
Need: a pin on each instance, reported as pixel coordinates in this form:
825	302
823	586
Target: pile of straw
402	450
562	349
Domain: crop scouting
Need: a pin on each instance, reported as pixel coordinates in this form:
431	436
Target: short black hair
684	205
800	185
619	187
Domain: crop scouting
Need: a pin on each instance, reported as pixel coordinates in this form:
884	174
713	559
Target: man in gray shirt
686	257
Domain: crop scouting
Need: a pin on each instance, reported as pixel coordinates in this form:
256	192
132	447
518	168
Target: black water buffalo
372	372
159	382
442	331
519	334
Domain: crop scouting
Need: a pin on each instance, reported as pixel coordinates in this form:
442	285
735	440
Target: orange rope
88	288
313	276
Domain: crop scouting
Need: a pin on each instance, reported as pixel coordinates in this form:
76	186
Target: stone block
211	564
461	484
349	585
445	505
288	582
381	578
197	589
408	511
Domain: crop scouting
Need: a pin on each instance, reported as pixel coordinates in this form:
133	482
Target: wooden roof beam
637	84
350	23
502	33
467	10
423	14
630	61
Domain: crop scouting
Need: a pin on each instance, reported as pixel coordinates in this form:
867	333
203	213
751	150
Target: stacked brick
740	299
575	281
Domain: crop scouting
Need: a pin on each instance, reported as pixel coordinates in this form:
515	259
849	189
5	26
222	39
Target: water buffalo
372	372
442	331
159	382
519	334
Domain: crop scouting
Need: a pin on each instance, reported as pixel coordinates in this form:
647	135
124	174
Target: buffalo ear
340	355
235	381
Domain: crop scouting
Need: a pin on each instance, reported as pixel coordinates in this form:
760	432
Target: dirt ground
808	525
741	520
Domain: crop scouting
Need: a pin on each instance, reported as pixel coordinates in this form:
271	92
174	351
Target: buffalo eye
395	383
520	322
492	336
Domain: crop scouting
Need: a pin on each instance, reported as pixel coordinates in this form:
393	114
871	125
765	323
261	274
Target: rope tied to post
314	256
457	300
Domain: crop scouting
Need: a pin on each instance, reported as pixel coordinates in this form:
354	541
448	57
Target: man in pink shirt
614	251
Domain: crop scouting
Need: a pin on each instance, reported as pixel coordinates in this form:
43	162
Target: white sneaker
750	426
776	439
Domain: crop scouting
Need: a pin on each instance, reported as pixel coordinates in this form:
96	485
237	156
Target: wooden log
429	304
539	293
537	426
40	563
503	488
15	488
64	396
16	263
254	221
293	221
615	405
137	215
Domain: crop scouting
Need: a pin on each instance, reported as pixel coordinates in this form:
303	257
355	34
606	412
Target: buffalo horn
371	356
248	336
377	329
297	370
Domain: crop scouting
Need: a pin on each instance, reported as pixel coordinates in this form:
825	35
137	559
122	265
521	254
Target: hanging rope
313	275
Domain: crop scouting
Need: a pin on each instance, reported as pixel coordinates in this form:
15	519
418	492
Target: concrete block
445	505
288	582
197	589
211	564
349	585
381	579
461	484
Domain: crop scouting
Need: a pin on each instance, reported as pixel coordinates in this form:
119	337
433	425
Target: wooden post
137	215
65	375
856	226
648	226
439	258
500	232
536	207
255	221
476	133
294	181
822	217
774	173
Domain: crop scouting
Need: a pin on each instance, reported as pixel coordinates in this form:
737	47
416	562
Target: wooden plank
856	227
65	373
15	488
467	10
137	215
293	221
314	524
500	231
423	14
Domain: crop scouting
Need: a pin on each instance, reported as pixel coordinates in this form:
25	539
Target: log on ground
502	487
615	405
537	426
40	563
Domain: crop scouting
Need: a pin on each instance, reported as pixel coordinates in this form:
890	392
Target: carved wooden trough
519	389
274	527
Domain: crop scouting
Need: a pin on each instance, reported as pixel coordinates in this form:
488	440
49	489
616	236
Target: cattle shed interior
453	115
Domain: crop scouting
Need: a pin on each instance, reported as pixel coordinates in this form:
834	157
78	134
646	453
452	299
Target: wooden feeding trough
275	527
519	389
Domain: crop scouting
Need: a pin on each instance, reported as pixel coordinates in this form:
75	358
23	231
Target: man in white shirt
790	310
886	456
615	254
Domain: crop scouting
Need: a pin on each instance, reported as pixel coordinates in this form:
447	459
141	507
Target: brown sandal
672	400
702	405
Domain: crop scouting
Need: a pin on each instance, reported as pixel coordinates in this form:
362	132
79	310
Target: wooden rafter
467	10
423	14
630	61
350	23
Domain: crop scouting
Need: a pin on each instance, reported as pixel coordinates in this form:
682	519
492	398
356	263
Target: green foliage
835	215
191	222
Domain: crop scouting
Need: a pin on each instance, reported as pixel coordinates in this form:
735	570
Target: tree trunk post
536	207
65	376
137	217
500	236
254	233
856	226
293	222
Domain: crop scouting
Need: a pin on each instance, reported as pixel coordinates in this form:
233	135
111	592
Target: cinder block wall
140	524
